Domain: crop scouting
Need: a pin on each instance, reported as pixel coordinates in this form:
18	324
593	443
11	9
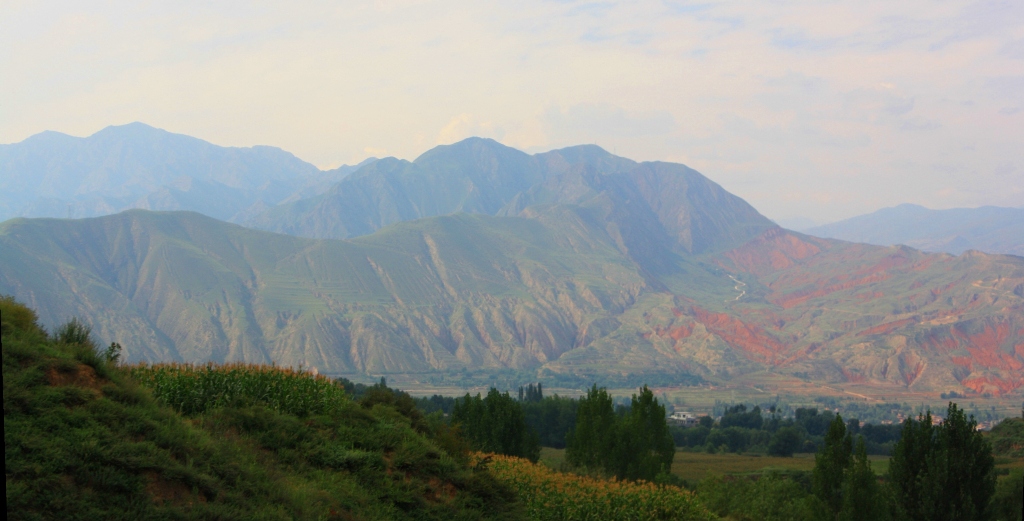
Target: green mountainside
554	291
445	292
573	263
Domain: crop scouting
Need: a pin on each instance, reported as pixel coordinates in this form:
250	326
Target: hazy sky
816	109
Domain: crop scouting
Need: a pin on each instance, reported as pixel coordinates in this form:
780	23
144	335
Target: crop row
550	495
194	389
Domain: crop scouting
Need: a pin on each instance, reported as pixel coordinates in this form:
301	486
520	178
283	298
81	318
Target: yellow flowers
193	389
550	495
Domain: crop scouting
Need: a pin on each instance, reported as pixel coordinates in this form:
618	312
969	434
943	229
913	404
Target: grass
84	439
695	466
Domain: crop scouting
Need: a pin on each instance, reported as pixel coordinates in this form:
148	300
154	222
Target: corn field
550	495
194	389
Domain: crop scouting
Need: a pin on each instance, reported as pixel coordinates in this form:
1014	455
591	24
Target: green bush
770	497
1008	502
18	319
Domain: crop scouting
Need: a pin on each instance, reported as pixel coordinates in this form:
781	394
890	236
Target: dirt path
738	288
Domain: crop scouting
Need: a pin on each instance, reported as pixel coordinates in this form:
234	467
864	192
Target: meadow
695	466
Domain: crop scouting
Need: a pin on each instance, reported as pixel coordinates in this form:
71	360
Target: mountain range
989	229
476	256
138	166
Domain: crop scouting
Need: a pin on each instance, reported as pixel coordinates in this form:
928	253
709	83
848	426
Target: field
550	495
695	466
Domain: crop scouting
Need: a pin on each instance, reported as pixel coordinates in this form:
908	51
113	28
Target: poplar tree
862	496
645	446
943	472
830	465
496	424
590	443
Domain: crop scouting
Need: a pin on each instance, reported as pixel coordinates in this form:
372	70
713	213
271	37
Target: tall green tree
636	445
970	479
645	447
785	441
863	499
911	467
830	465
943	472
590	443
496	424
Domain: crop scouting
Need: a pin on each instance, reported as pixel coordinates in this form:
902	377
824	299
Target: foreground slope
559	290
83	441
990	229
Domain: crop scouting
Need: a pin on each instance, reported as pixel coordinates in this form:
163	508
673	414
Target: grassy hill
83	440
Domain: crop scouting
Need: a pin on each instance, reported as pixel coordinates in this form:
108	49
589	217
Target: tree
645	447
635	445
942	473
830	465
862	496
738	416
531	393
785	441
553	417
909	469
590	442
496	424
970	479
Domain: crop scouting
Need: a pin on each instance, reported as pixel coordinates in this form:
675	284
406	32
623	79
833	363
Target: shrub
16	317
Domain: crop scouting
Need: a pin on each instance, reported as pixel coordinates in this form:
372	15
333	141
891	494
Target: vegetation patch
87	439
551	495
193	389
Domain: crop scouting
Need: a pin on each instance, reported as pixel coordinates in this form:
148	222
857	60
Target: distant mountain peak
138	165
991	229
468	145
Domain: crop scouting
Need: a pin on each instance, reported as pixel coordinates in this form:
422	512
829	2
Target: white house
683	419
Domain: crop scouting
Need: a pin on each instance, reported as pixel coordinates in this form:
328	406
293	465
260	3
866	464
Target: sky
812	111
